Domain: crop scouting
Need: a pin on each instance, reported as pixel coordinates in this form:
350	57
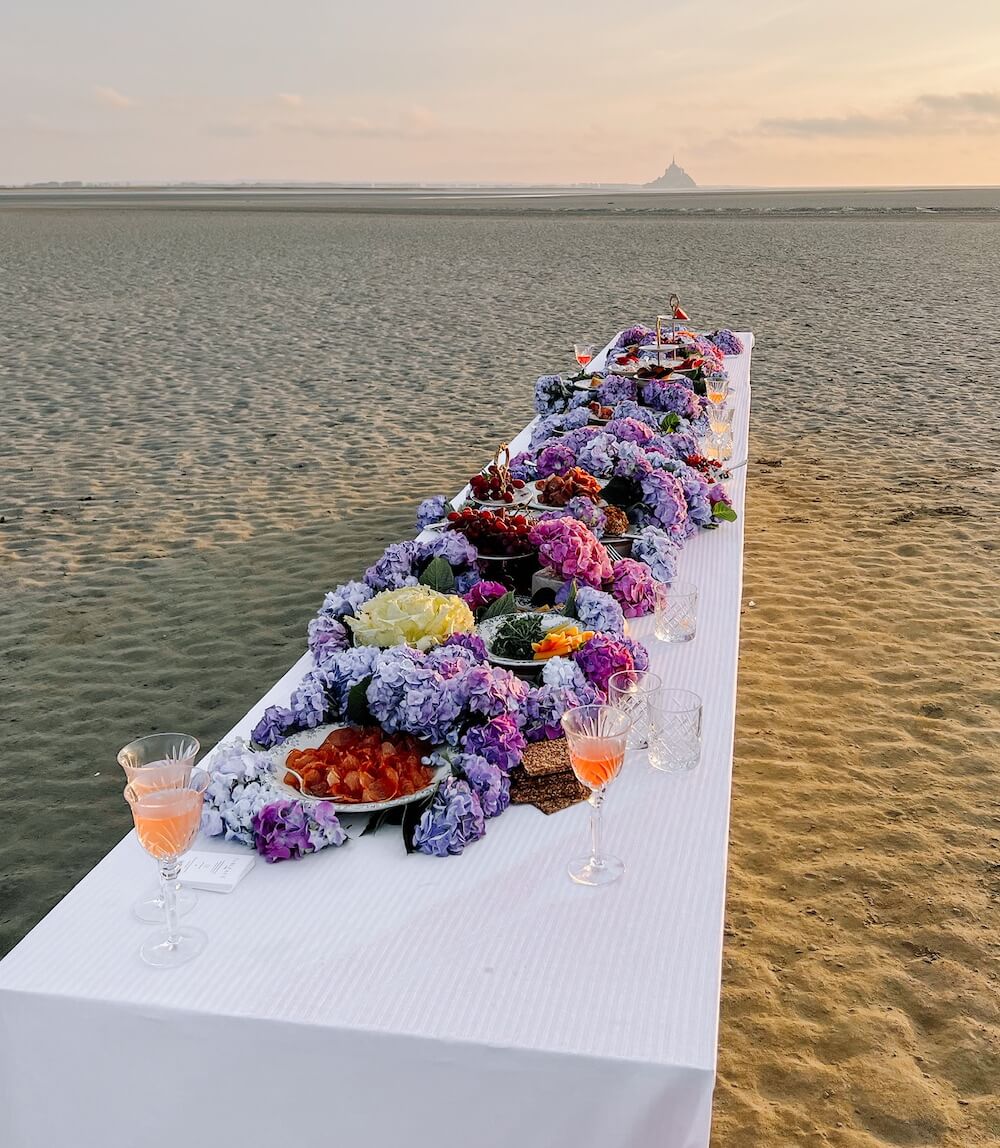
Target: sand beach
213	416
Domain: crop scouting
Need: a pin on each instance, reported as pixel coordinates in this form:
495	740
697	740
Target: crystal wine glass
584	352
596	737
160	761
166	823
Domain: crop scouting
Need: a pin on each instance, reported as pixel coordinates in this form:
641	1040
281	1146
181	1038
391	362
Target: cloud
973	113
111	98
290	99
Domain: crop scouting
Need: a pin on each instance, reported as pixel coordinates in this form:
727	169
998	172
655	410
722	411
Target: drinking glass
718	447
166	823
584	352
716	388
628	690
676	611
674	718
596	737
160	761
720	419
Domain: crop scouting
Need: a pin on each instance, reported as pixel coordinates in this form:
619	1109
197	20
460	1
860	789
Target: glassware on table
716	388
628	689
160	761
596	737
718	447
166	823
720	419
674	719
584	352
675	616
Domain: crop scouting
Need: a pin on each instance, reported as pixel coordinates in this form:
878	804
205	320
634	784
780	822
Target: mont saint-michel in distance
673	179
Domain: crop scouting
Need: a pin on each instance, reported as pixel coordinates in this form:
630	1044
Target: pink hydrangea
572	551
634	588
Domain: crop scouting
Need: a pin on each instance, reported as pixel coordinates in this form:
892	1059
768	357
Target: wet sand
212	417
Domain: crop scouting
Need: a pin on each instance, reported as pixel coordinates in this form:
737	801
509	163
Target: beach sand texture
211	418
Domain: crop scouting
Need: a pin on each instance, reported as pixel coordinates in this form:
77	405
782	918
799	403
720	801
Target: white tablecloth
365	996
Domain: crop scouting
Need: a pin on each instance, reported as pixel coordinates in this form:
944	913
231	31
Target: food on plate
360	765
558	489
616	521
599	411
560	641
709	467
516	635
494	533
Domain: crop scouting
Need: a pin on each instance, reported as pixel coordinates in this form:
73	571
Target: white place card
214	872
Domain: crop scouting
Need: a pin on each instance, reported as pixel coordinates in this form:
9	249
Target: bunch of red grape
709	467
495	533
495	485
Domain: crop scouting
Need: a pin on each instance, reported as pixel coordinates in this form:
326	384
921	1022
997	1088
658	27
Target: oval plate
310	739
487	631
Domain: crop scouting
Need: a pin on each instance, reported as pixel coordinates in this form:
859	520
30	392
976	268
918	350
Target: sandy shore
207	426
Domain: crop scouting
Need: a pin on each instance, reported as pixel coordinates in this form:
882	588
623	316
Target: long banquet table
386	999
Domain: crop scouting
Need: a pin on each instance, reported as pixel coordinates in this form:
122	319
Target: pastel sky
778	92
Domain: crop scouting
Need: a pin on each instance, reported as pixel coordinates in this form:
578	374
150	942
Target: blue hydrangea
346	600
659	552
596	610
432	510
327	636
487	781
408	695
340	673
453	820
394	569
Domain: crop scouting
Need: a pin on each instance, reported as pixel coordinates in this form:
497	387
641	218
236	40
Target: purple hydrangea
493	692
554	458
394	569
634	336
499	741
543	430
545	706
597	610
551	394
432	510
634	587
615	389
281	831
408	695
640	655
659	551
483	593
487	781
453	820
273	727
578	438
629	430
727	341
584	510
663	503
324	827
309	704
450	545
523	466
340	673
601	657
644	415
631	461
597	456
717	496
709	351
327	636
471	642
672	398
346	600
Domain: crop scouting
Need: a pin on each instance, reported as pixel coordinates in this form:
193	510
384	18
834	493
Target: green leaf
411	819
357	703
670	422
723	512
569	606
438	575
622	492
504	605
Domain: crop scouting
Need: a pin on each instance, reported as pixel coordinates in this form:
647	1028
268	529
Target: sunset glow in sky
751	92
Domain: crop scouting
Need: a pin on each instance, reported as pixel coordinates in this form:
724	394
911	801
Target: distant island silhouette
673	178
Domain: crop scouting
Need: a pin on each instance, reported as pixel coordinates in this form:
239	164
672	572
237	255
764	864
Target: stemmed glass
716	388
166	823
584	352
160	761
596	737
628	690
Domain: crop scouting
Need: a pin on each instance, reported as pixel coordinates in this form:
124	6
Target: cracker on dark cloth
549	793
545	757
